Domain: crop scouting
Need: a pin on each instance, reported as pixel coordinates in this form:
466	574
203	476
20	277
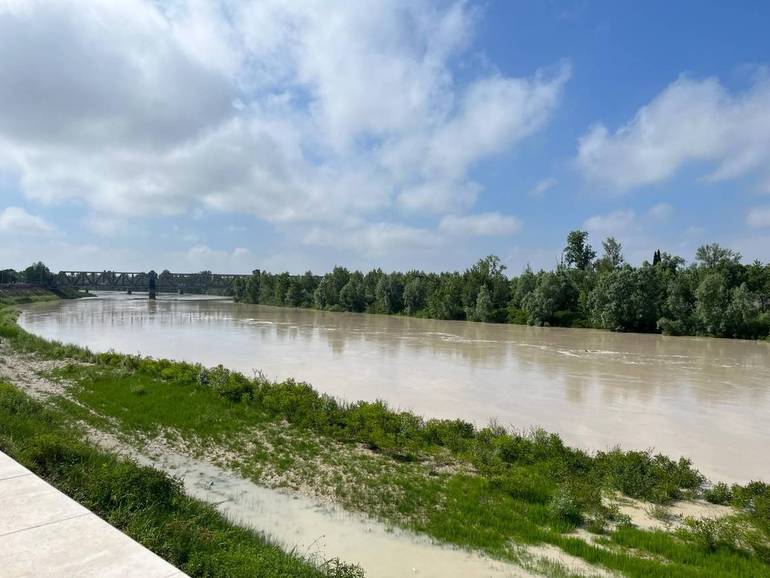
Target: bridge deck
45	534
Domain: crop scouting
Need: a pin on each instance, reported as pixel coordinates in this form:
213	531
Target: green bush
711	534
719	493
656	478
566	509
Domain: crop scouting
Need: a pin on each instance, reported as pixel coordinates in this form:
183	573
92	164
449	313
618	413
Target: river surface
708	399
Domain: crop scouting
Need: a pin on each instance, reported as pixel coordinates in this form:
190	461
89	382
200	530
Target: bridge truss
166	282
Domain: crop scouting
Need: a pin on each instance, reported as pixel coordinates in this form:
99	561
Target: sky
293	135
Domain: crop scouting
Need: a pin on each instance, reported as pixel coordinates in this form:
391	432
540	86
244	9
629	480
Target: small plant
336	568
719	493
138	389
565	508
711	534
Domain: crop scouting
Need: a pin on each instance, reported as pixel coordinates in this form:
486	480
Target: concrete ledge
46	534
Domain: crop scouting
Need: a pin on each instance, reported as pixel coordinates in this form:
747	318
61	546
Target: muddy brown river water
708	399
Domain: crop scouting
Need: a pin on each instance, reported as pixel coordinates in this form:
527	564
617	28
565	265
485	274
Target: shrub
711	534
565	508
719	493
639	474
454	434
230	385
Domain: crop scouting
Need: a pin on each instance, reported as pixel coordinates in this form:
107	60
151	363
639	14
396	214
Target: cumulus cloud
374	239
264	107
204	258
480	225
611	224
17	220
690	121
758	217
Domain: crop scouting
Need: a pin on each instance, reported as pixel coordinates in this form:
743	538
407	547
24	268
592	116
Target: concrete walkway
45	534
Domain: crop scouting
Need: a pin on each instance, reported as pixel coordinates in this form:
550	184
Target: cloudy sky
286	135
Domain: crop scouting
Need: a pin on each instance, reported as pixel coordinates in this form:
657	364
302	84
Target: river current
707	399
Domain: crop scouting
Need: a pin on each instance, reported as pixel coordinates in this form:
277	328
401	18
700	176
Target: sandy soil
648	517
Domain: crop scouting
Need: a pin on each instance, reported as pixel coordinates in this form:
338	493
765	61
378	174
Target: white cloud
661	211
480	225
758	217
542	186
275	109
373	239
17	220
614	224
691	121
204	258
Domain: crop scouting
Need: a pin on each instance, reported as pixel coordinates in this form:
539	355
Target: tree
39	274
625	300
578	252
325	296
554	292
488	272
445	300
613	255
484	307
714	255
712	300
352	296
741	313
9	276
414	296
525	284
679	305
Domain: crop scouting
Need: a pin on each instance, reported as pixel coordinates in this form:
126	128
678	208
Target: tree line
716	295
36	274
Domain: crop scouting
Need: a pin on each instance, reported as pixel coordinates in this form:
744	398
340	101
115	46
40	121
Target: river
707	399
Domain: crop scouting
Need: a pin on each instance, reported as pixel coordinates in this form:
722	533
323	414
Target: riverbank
22	294
488	490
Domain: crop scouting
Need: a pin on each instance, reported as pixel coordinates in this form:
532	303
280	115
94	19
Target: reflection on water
708	399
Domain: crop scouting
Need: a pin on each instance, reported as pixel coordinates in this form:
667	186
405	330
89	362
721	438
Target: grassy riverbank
142	502
23	294
483	489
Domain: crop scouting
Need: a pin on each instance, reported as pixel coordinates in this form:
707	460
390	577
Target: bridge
204	282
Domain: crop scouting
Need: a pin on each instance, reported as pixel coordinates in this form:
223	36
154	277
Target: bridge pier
153	281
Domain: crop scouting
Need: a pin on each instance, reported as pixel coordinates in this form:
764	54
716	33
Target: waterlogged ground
707	399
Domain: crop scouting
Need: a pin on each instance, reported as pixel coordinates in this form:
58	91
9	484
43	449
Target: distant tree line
36	274
717	295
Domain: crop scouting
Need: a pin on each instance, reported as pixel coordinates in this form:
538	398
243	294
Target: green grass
11	295
477	488
142	502
525	488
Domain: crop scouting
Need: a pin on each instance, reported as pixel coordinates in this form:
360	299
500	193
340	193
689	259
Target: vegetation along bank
717	295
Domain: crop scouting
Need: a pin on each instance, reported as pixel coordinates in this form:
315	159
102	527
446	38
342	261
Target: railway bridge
151	282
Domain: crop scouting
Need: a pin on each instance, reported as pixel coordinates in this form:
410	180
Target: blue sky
298	135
